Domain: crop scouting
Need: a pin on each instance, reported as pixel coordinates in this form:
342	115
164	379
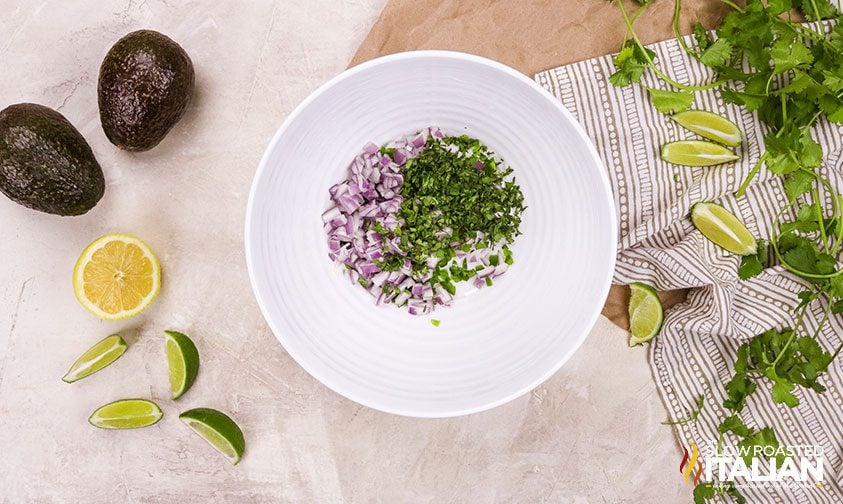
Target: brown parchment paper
531	36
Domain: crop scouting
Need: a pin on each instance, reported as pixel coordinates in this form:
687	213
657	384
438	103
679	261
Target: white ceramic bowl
493	345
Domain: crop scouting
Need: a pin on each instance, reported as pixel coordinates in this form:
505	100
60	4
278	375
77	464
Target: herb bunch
791	75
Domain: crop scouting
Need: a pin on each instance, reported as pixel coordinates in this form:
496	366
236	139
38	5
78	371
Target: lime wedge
126	414
696	153
218	430
183	359
711	126
645	314
723	228
97	357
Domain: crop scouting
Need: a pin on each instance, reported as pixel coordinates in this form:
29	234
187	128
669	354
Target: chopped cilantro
445	190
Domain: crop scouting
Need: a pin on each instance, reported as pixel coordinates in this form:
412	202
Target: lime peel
218	430
183	361
696	153
99	356
126	414
646	314
710	126
723	228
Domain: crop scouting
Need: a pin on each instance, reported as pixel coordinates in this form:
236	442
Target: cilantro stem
834	356
837	215
794	270
837	209
820	218
792	336
807	32
635	16
816	13
695	413
823	321
752	173
663	76
733	5
784	105
679	38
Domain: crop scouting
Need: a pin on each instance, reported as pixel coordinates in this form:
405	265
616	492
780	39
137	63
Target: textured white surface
590	434
493	345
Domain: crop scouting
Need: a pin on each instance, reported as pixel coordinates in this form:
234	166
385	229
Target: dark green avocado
45	163
145	85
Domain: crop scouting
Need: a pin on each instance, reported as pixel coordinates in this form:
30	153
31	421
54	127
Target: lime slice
711	126
183	359
697	153
116	277
723	228
126	414
218	430
645	314
97	357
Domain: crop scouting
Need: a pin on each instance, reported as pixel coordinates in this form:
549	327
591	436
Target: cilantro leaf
695	414
701	36
630	66
796	184
717	54
776	7
764	438
735	425
752	265
833	80
811	8
738	389
789	54
670	101
782	392
704	491
749	100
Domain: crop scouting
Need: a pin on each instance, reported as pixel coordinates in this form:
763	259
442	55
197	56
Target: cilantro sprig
791	75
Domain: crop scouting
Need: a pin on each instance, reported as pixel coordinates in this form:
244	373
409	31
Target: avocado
145	85
45	163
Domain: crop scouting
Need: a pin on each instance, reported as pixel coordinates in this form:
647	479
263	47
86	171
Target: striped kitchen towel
658	245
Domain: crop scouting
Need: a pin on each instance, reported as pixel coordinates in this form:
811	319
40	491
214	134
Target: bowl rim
608	200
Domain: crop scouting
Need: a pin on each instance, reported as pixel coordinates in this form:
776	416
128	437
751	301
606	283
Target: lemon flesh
116	277
724	229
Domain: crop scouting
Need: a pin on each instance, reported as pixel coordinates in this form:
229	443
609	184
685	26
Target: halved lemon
116	277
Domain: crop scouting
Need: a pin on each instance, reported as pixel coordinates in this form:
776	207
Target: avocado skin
145	84
45	163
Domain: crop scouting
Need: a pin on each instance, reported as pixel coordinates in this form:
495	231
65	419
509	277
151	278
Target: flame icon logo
691	462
